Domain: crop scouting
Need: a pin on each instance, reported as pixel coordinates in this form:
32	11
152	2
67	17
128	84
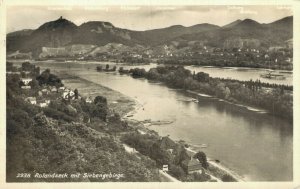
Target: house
71	93
170	150
141	132
267	56
288	60
45	91
26	81
68	94
192	165
26	87
13	73
40	93
43	104
31	100
47	102
88	100
167	143
53	89
165	168
61	89
65	95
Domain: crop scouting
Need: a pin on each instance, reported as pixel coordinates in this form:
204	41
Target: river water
257	146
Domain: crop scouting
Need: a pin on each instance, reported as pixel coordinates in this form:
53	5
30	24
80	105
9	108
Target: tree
46	78
100	99
99	108
159	155
202	77
228	178
26	66
201	156
76	93
181	155
220	90
177	171
137	72
153	74
99	68
34	83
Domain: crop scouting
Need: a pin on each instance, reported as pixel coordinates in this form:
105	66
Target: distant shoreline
288	71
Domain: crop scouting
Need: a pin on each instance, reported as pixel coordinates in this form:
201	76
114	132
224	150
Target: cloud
160	10
142	17
242	10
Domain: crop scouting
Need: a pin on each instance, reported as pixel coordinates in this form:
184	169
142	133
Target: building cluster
42	95
277	54
47	93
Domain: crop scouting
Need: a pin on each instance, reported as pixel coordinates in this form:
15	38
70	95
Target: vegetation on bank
277	99
68	136
106	69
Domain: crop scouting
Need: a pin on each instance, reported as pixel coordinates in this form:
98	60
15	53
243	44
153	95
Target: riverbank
125	106
117	101
248	107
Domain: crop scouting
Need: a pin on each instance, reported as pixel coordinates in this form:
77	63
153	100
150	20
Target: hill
272	34
240	33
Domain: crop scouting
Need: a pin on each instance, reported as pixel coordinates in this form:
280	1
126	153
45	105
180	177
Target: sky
143	17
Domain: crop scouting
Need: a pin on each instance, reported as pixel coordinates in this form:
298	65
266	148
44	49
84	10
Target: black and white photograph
149	93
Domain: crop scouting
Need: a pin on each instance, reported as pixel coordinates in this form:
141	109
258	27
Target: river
257	146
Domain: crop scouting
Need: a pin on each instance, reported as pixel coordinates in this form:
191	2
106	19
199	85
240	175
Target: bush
50	112
228	178
202	177
177	172
46	78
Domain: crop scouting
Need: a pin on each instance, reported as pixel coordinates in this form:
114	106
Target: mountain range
62	32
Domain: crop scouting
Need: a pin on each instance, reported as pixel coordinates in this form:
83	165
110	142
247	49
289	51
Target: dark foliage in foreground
55	140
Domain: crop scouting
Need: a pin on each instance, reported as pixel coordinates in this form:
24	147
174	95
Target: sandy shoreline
117	101
250	108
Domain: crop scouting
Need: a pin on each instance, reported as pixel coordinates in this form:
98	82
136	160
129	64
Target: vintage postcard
145	94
